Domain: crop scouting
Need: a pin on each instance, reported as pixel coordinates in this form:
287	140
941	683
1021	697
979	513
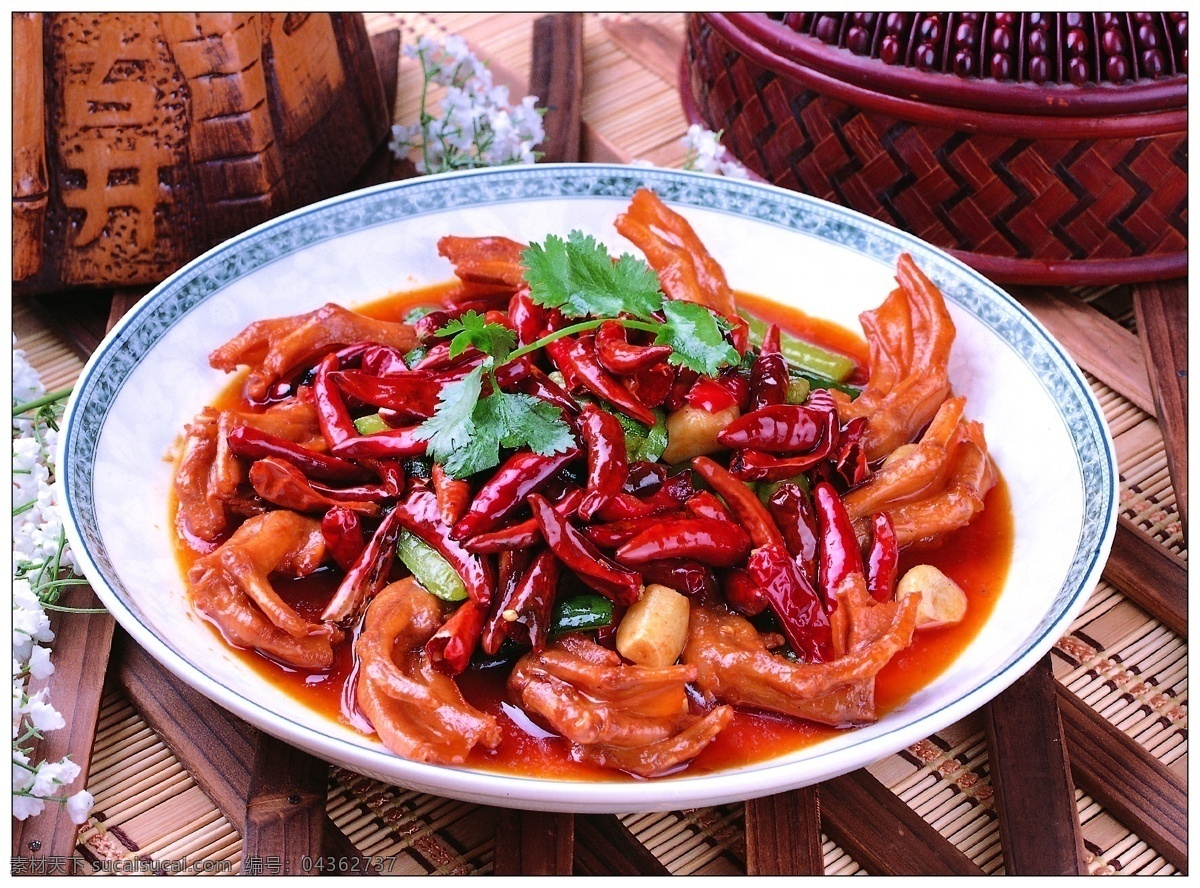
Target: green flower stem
44	401
75	610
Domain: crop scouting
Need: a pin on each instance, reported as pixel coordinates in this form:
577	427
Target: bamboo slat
285	807
1099	345
604	846
1149	575
1161	311
534	843
1109	766
659	49
1039	825
883	833
556	78
783	834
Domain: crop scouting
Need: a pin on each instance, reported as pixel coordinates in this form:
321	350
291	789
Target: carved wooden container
141	139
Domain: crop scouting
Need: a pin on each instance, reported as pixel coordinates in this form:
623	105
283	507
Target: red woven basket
1066	164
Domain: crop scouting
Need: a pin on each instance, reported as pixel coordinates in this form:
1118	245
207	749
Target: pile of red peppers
766	533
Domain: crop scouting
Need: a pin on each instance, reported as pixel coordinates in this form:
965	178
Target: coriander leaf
451	425
471	328
578	277
542	428
480	453
695	337
519	420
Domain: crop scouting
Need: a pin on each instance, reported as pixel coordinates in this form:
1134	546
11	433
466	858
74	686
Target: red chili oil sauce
976	557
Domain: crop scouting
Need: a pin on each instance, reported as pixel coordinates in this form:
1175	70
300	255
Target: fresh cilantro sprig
472	329
578	277
468	429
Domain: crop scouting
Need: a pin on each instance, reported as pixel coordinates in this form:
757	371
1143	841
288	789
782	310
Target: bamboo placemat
1117	658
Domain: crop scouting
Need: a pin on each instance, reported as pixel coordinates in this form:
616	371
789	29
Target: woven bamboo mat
1122	662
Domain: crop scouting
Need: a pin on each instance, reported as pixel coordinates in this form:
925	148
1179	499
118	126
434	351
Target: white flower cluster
477	127
706	154
39	555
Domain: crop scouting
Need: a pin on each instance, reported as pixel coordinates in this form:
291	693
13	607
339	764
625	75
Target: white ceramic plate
151	376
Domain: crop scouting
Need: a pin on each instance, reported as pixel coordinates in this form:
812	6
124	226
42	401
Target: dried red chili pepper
419	515
599	572
283	484
794	602
652	385
343	533
426	327
705	505
511	566
382	360
451	647
389	489
412	395
524	534
528	318
751	514
368	574
253	444
352	355
742	593
838	554
708	394
707	540
521	474
453	495
524	616
523	376
607	459
390	472
334	418
617	533
778	428
685	378
644	477
439	358
686	576
739	333
676	487
669	497
851	460
792	510
769	374
754	465
576	360
617	355
883	560
392	444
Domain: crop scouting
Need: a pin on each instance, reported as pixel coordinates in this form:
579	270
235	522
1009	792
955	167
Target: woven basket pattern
1023	199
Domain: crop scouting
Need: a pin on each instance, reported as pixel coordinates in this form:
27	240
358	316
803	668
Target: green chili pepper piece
580	614
431	569
802	355
370	424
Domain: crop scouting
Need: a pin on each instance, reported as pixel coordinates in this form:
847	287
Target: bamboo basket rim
1050	125
1143	98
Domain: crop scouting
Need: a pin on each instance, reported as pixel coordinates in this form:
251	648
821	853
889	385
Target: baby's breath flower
706	154
476	125
41	558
